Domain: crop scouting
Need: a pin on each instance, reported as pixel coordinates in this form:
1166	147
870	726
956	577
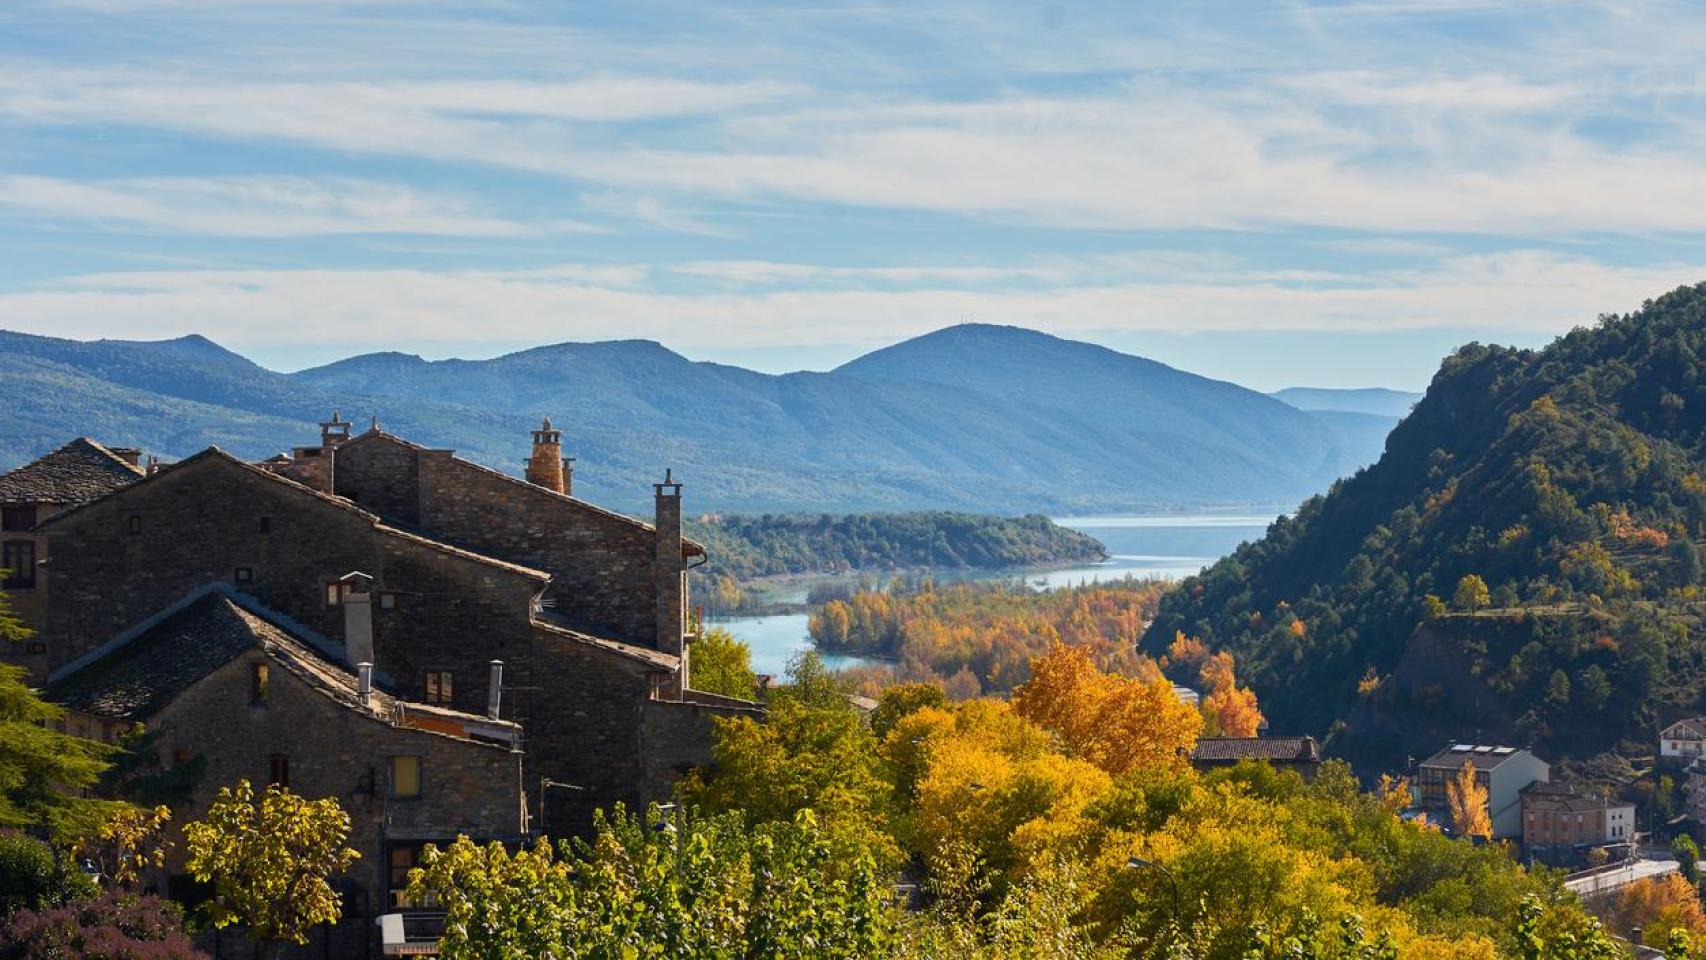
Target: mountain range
972	417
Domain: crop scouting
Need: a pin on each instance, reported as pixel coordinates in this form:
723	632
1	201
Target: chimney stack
355	591
548	467
495	690
334	431
669	576
364	682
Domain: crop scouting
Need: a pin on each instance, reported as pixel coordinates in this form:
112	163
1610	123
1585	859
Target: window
334	593
280	770
406	778
387	601
18	518
134	525
18	557
35	648
265	525
402	861
438	688
244	575
260	681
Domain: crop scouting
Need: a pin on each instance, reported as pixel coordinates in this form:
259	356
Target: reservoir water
1169	546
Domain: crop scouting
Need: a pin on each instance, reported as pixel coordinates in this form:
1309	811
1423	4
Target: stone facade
1560	821
604	567
371	547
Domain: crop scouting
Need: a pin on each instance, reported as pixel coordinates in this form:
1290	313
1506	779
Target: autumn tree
129	844
1117	723
1467	799
1228	710
270	862
1659	905
1472	593
721	664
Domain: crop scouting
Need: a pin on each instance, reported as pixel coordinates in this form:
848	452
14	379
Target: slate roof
1270	749
1482	756
151	669
81	470
1570	798
215	454
689	548
646	655
155	666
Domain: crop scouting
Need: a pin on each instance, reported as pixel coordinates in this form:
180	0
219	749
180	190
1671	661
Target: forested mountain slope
1569	480
982	419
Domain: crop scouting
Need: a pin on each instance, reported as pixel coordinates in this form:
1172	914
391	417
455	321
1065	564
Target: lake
1169	546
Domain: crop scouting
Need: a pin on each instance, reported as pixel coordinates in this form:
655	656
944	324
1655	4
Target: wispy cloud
1522	290
270	206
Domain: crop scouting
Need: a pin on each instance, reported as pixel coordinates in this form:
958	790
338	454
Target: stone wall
335	751
602	564
205	521
678	738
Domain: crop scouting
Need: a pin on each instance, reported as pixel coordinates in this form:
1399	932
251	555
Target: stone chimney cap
547	424
354	576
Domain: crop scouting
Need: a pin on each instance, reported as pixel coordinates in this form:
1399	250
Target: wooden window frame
438	688
420	778
20	570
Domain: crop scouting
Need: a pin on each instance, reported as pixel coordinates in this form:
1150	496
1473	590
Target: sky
1275	193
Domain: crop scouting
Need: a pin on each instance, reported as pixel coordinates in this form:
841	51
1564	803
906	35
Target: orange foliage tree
1228	709
1116	722
1658	905
1467	799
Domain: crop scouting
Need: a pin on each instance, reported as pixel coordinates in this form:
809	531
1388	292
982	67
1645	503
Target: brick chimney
548	467
669	576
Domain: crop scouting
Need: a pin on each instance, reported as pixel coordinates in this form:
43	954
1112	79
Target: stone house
229	689
1561	821
372	549
1299	754
78	472
1504	771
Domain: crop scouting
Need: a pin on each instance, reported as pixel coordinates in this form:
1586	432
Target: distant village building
430	641
1187	695
1683	741
1694	789
1300	754
1504	771
1562	822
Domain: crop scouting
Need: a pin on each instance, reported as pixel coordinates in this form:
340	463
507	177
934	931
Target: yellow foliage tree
1117	723
1658	905
1229	710
1467	799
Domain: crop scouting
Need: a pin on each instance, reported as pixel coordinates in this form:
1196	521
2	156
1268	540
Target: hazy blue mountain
1375	400
975	418
1360	436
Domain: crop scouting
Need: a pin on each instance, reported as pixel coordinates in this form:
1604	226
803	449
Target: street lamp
1138	863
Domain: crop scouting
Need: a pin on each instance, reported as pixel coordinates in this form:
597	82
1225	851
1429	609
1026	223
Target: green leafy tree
665	884
270	862
721	664
33	877
44	773
1471	594
1687	855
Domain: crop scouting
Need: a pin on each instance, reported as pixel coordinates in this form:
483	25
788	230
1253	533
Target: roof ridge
587	504
214	452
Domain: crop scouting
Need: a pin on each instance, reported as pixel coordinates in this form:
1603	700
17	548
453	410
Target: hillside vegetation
745	546
1568	480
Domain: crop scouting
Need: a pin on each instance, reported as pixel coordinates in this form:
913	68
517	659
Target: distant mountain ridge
1377	401
978	418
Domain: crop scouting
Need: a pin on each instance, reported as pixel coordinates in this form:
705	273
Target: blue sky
1327	193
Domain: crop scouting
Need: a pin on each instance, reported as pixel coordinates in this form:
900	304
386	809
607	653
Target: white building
1504	771
1683	740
